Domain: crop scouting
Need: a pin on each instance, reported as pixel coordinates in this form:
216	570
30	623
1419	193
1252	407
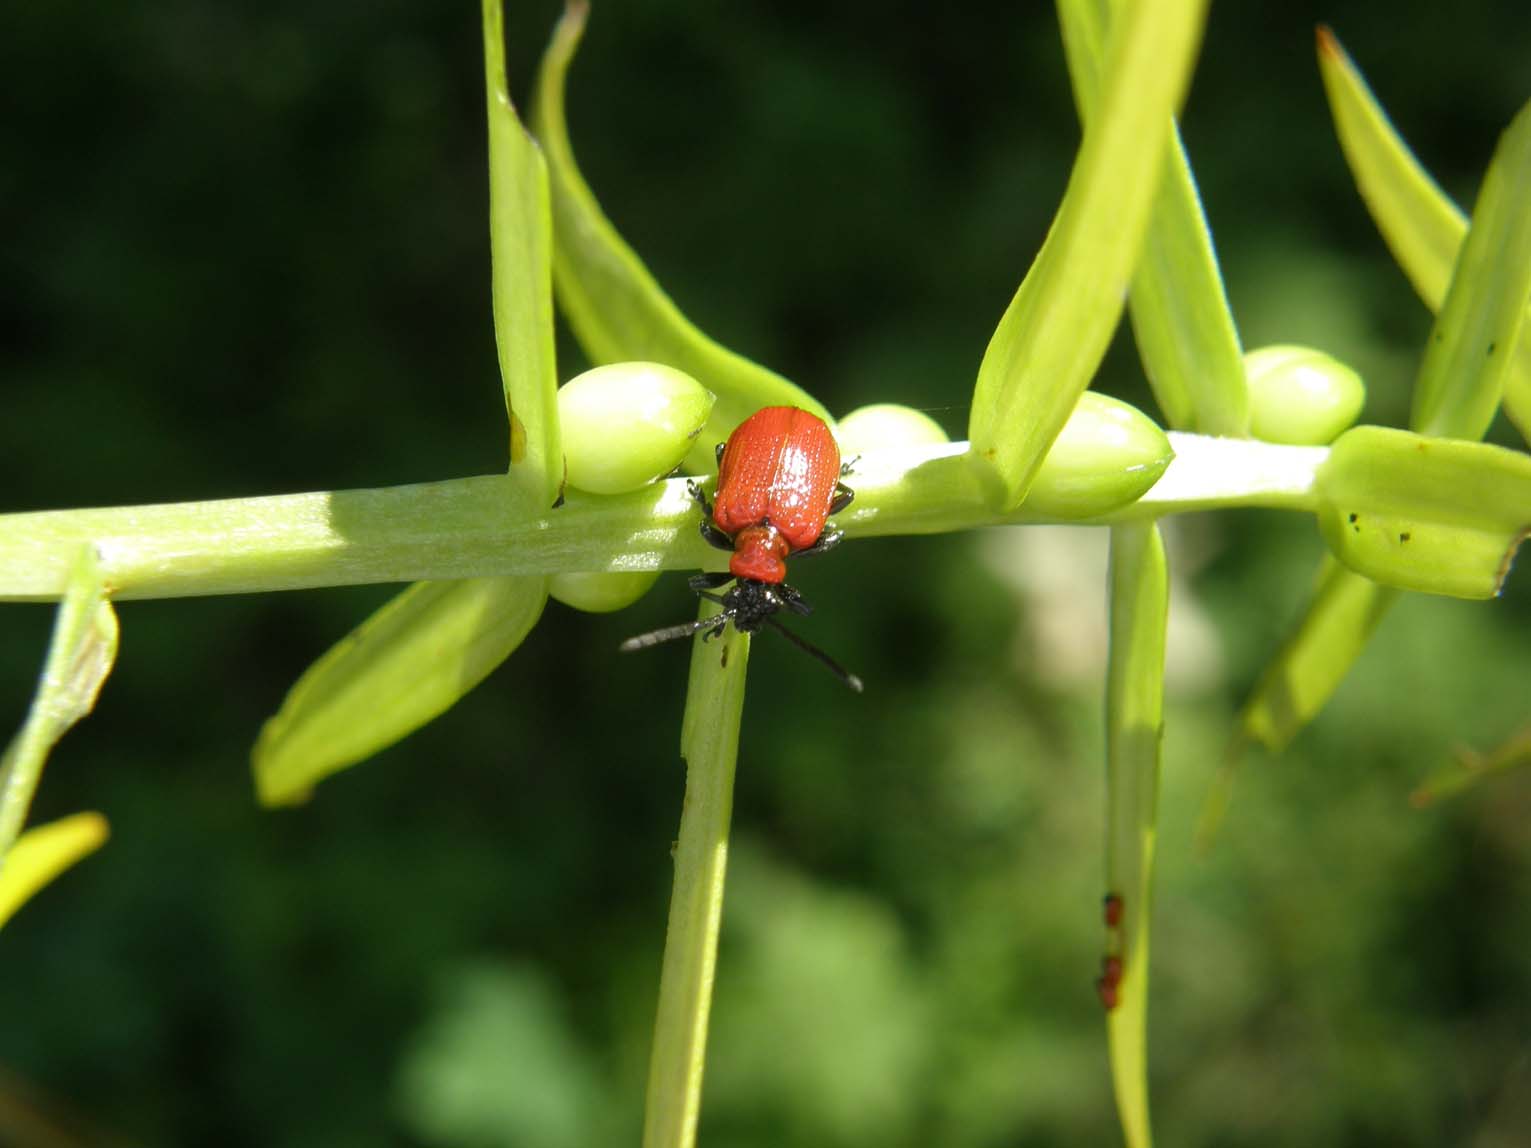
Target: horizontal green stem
475	527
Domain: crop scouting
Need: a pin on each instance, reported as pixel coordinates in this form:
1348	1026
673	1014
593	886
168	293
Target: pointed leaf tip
81	653
43	852
408	663
614	306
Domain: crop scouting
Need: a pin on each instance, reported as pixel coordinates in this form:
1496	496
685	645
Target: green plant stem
482	527
710	744
1134	745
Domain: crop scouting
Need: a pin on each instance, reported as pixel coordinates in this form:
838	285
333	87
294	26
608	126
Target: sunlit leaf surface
1178	307
520	245
400	668
1459	386
1052	336
612	302
1421	225
42	853
1440	516
80	656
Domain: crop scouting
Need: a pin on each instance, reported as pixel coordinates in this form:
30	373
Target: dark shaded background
244	251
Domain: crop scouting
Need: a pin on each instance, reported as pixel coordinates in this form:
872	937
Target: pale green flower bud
886	425
1300	396
626	424
1107	455
600	592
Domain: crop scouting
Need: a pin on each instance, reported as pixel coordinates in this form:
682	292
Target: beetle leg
790	599
715	537
670	633
844	495
710	533
827	541
709	581
847	467
719	452
712	627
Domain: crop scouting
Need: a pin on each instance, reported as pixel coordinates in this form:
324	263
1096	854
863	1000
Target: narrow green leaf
521	253
1051	339
617	310
1179	310
1344	610
1439	516
1471	768
80	656
42	853
710	745
1134	732
1420	224
1462	376
1443	517
399	669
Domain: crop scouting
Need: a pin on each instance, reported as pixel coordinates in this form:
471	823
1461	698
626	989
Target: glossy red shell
776	482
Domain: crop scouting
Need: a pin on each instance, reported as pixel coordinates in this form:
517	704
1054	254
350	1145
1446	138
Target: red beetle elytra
778	481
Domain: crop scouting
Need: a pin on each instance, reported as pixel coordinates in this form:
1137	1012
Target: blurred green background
245	252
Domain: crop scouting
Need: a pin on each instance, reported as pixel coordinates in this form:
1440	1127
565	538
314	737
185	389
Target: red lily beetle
778	481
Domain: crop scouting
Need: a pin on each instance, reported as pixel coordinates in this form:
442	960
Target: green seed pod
886	425
601	592
626	424
1437	515
1300	396
1108	454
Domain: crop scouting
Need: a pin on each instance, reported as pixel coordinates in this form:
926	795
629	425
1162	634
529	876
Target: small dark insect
1109	992
1108	984
1113	910
778	481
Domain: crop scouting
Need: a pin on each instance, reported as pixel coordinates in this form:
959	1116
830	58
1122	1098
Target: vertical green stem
710	745
1134	727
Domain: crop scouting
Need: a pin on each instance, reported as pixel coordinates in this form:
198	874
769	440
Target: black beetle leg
827	541
710	533
788	598
844	496
715	537
709	581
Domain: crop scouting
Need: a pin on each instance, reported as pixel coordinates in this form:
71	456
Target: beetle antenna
809	648
671	633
